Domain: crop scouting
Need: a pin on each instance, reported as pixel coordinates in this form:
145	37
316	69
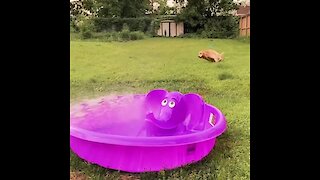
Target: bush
130	36
213	27
74	36
108	36
125	27
116	24
124	35
154	26
189	35
86	29
136	35
220	27
72	27
115	29
86	34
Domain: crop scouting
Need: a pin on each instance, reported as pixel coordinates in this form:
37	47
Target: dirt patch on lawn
77	176
128	177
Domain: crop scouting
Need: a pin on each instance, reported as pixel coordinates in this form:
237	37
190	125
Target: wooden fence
244	25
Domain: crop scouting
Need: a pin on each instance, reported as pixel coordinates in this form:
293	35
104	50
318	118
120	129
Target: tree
80	10
122	8
208	8
197	13
220	7
133	8
76	8
109	8
194	13
162	7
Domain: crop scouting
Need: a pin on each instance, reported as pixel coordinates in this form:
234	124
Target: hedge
115	24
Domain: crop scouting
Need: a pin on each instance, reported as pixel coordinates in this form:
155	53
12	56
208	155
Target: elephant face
169	109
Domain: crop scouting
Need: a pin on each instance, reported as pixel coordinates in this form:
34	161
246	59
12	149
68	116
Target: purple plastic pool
139	133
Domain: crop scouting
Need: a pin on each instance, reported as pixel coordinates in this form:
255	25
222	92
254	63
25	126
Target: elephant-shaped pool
156	131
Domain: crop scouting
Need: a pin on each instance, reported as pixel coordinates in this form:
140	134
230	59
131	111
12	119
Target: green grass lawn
100	68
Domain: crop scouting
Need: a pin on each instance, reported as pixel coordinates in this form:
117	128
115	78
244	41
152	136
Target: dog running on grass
211	55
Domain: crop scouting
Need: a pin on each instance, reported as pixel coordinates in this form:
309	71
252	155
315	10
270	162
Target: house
170	28
244	23
243	11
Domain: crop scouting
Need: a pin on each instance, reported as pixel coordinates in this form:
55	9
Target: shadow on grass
224	76
223	66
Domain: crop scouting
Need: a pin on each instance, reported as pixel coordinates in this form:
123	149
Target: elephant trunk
164	114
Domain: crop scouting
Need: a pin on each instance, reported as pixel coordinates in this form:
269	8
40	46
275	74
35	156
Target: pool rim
210	133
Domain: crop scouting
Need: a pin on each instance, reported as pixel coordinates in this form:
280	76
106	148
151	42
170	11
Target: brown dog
211	55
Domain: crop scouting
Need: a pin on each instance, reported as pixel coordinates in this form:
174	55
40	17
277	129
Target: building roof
243	10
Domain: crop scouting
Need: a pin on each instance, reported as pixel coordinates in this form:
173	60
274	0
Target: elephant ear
153	100
195	111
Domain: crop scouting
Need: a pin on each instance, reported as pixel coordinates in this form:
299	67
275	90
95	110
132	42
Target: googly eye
172	104
164	102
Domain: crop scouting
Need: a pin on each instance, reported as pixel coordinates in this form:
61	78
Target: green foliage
108	36
130	36
202	18
154	25
136	35
121	8
86	28
125	27
221	27
210	18
73	26
189	35
133	33
116	24
217	27
125	33
86	34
